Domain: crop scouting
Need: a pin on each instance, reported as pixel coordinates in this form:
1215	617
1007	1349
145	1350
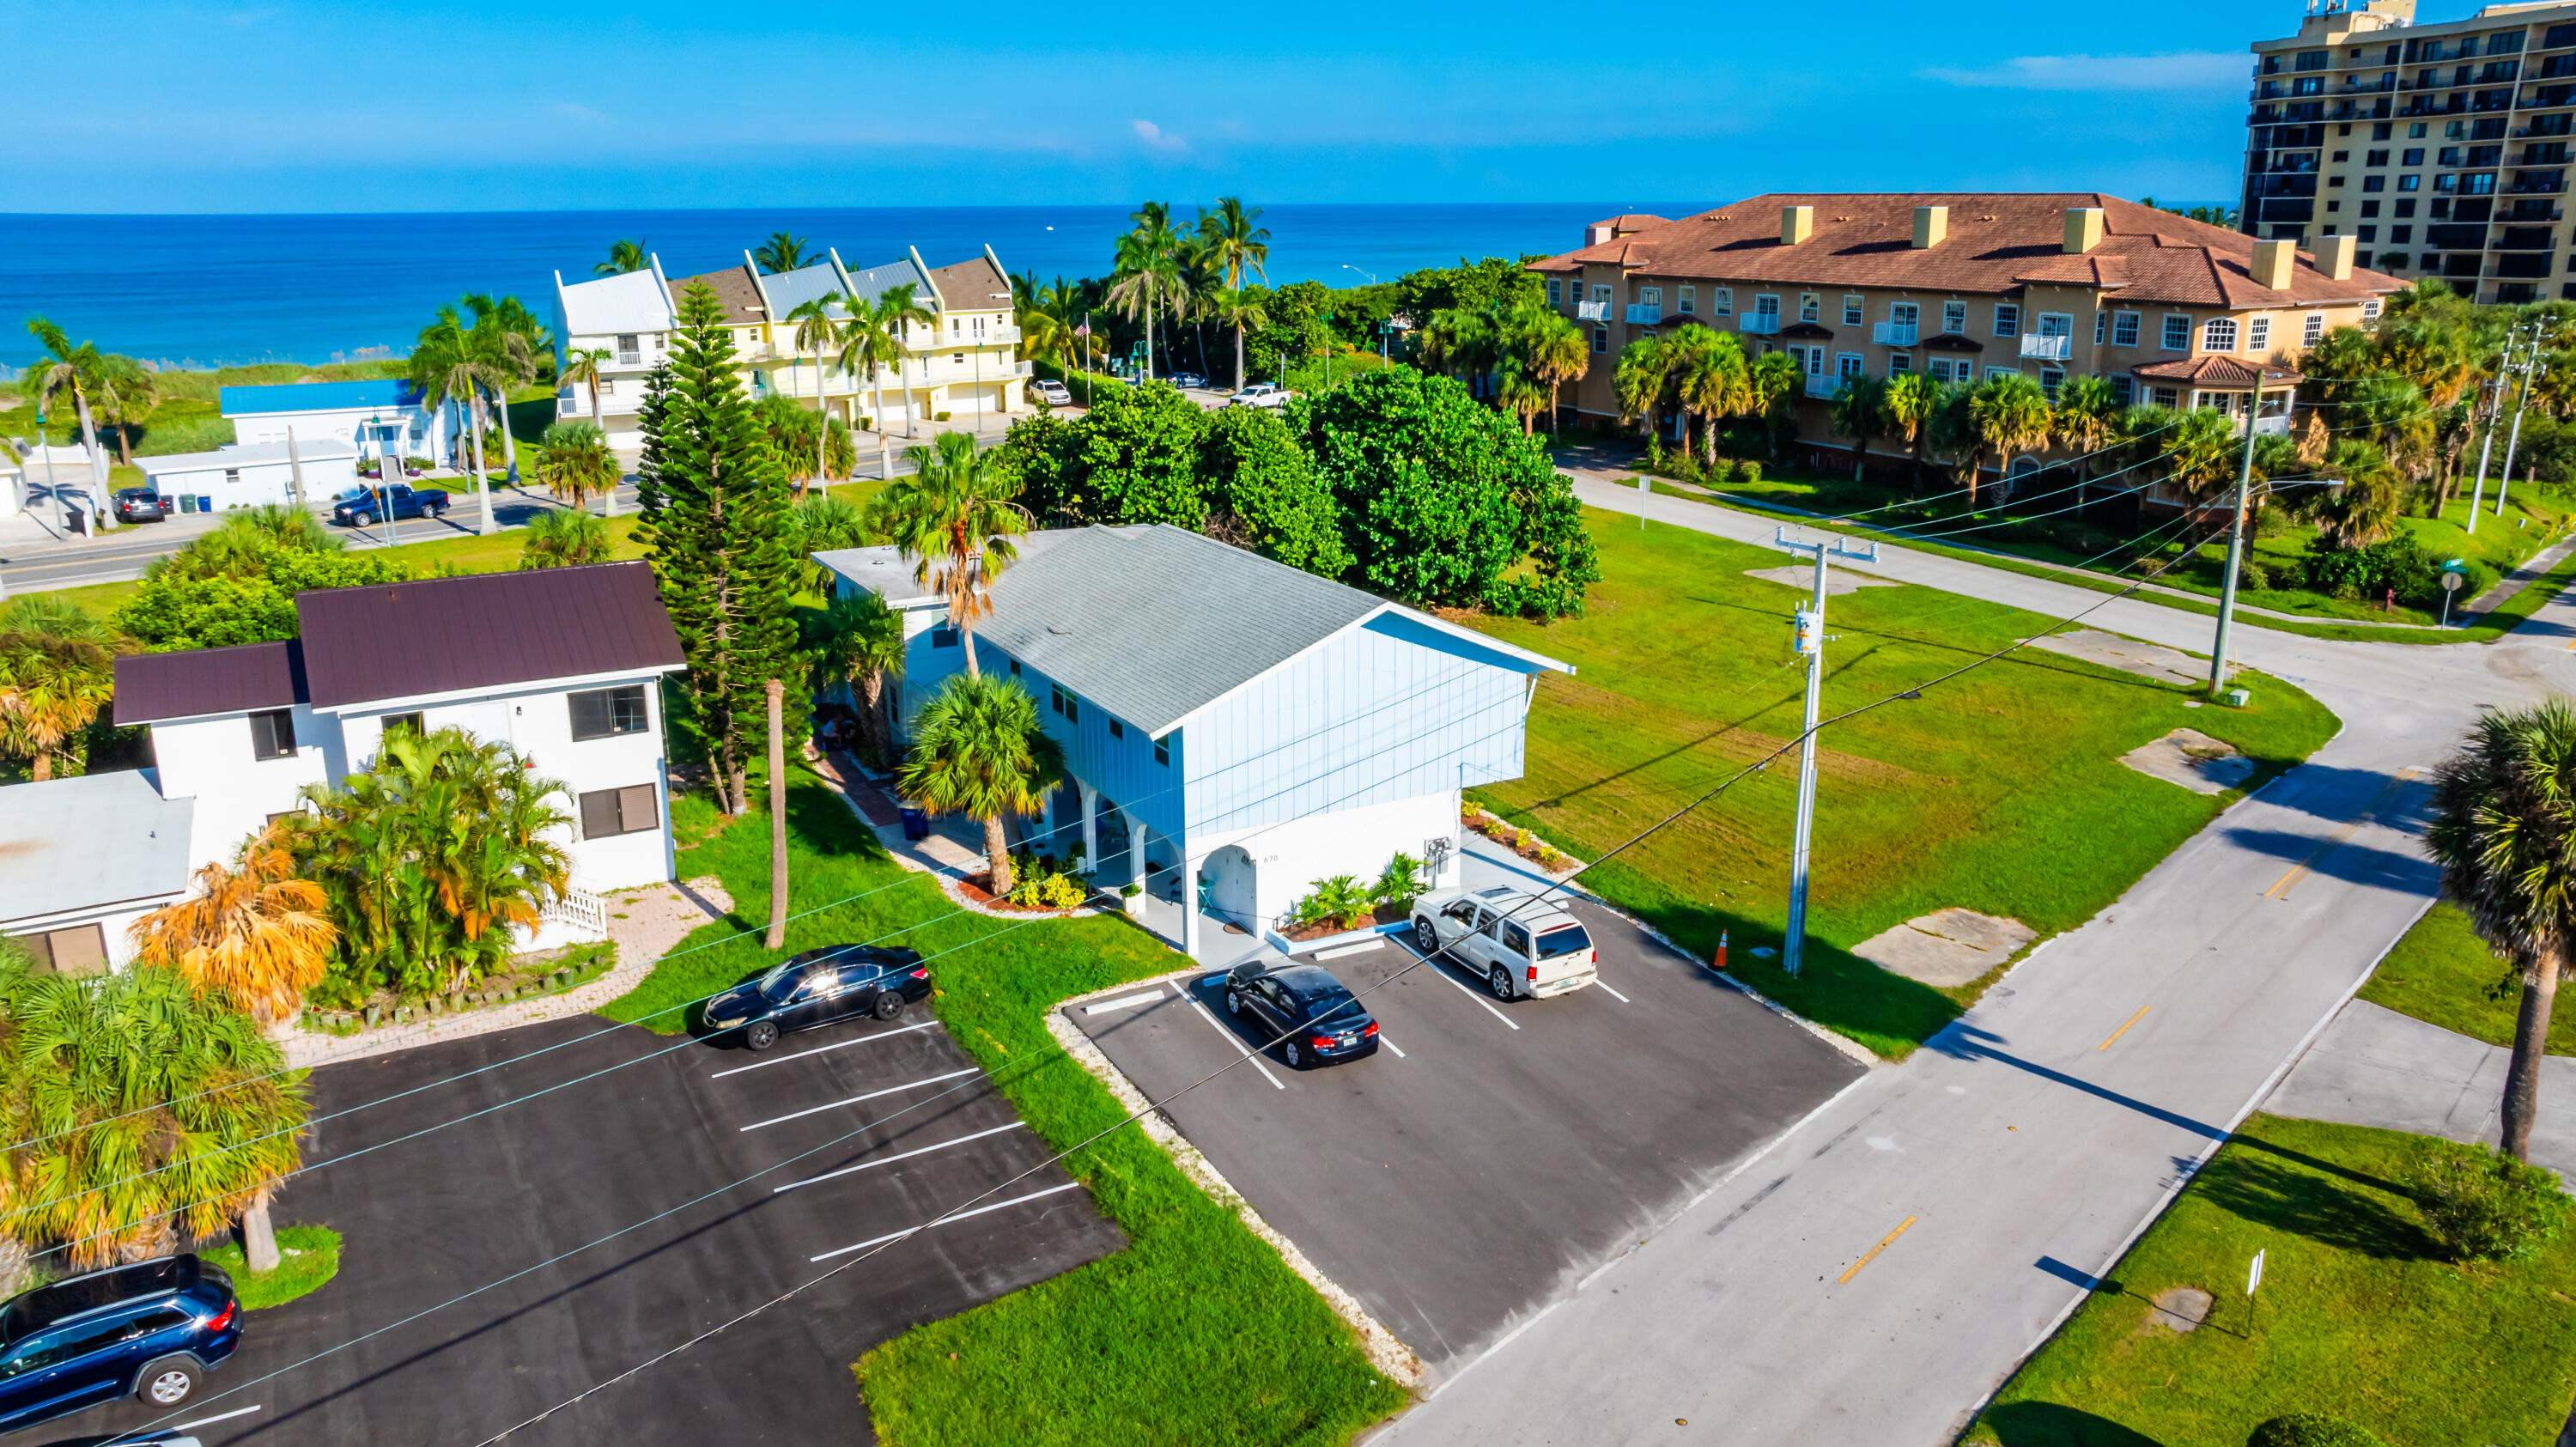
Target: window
2177	334
1688	300
2343	155
1851	311
2375	158
1015	668
2369	208
2410	183
272	734
2313	329
1810	306
2373	183
607	812
2049	377
1848	366
943	636
1954	316
2370	310
2124	329
1992	372
1163	751
78	950
232	475
2101	327
2219	335
2167	397
1721	301
2007	320
2124	389
1117	730
2415	132
1768	308
1899	363
1065	704
395	723
2414	154
1555	292
601	712
2258	332
1600	341
1652	296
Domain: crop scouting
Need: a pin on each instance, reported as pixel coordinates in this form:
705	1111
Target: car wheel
760	1034
1427	935
436	511
168	1381
1234	1002
889	1005
1296	1060
1501	983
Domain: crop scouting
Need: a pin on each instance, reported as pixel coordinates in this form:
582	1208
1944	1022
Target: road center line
1883	1243
853	1100
944	1220
2124	1029
220	1417
1462	989
836	1045
2335	841
890	1160
1219	1027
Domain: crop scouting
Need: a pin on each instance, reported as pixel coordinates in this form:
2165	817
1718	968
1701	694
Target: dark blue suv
152	1329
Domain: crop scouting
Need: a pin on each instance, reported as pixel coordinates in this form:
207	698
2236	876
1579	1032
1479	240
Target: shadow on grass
2046	1424
2330	1204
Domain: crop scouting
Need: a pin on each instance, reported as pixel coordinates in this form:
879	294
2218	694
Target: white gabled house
378	417
82	859
1245	726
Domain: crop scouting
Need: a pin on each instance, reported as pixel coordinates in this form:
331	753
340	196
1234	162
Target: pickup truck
1521	945
1259	394
366	507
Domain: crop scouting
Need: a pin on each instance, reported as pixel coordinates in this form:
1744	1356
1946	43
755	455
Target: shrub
1341	899
1401	884
1748	473
2312	1429
939	417
2485	1206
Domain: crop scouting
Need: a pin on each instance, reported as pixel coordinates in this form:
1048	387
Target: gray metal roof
874	281
76	844
1153	623
789	290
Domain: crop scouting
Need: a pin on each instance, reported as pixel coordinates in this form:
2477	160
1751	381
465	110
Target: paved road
1877	1275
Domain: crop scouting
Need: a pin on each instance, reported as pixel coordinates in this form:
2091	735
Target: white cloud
1158	138
577	111
2189	70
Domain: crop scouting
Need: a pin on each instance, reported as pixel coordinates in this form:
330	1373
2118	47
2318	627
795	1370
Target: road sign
2254	1274
2451	582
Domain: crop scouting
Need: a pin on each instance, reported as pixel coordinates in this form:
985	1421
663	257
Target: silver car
1051	392
1518	942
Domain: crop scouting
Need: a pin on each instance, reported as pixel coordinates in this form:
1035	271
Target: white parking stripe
853	1100
890	1160
960	1216
1462	989
1219	1027
1124	1002
222	1417
1605	984
819	1049
1389	1044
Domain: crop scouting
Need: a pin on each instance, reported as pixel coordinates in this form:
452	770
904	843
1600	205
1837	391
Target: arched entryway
2023	470
1227	888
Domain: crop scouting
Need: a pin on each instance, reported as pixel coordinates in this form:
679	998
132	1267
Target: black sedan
820	986
1323	1021
141	505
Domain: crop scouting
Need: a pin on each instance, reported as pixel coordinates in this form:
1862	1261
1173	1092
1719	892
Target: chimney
1598	232
1797	223
2083	229
2273	260
1931	224
2333	257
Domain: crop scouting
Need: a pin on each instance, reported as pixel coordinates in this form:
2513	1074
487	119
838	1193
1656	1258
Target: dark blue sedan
818	987
152	1329
1322	1021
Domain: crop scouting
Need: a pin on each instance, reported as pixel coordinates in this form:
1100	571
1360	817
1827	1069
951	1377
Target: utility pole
2495	409
2513	439
295	466
2235	545
1811	642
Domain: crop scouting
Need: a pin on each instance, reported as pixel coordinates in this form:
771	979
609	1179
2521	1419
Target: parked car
1521	944
1051	392
818	987
1259	394
366	506
153	1329
142	505
1323	1020
1188	381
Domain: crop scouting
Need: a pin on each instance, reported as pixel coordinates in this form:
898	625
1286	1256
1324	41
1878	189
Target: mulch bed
1383	914
978	890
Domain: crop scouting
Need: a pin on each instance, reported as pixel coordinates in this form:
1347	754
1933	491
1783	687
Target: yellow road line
2123	1030
1883	1243
2287	882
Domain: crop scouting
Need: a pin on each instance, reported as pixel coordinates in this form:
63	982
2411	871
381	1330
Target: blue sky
261	106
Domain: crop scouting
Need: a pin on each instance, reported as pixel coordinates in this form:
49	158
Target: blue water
205	291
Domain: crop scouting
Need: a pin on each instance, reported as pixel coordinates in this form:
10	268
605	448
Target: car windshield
1563	940
782	978
1334	1004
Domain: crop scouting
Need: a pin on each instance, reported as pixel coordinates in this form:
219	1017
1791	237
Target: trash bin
205	502
187	502
916	824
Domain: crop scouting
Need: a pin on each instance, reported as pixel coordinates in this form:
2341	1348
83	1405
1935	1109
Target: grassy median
1196	1333
2358	1317
2442	973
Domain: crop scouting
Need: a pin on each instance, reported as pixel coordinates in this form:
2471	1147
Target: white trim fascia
670	307
939	302
1381	610
403	703
80	914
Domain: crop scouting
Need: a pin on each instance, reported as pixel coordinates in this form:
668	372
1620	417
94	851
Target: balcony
999	335
1825	389
1896	334
1592	311
2270	426
2048	349
1645	313
1760	324
630	359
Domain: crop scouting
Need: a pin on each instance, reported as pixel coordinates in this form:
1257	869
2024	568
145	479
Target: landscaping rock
1947	947
2192	759
2146	660
1802	576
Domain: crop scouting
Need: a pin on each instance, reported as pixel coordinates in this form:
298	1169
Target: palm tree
253	931
1911	399
1711	379
2200	454
2364	504
1241	309
781	252
582	368
125	396
1240	246
624	256
978	750
57	673
822	523
2011	416
1044	315
2503	818
574	461
1146	274
455	363
1547	350
1462	342
516	343
874	338
66	368
954	517
565	537
1774	380
2088	417
857	640
817	330
1643	376
1860	413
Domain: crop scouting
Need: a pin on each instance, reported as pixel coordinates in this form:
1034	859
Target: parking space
1491	1154
772	1168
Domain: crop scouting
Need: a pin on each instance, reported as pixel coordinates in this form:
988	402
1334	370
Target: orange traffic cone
1719	964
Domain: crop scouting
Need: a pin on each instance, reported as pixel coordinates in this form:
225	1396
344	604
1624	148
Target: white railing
579	911
1645	313
2048	349
1824	388
1896	334
1592	311
1759	323
1022	369
1003	334
2279	424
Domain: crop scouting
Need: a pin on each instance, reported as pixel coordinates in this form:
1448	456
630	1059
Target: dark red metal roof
153	687
482	630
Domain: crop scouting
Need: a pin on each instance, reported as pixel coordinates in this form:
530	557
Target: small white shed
247	474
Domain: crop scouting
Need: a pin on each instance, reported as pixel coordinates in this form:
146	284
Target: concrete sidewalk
2375	1067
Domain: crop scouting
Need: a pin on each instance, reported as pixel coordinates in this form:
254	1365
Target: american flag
1083	330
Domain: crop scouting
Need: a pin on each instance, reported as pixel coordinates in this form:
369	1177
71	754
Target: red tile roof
1998	242
2219	370
1634	221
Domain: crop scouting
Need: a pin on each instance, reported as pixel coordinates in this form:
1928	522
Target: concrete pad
1802	576
1946	947
2373	1066
2192	759
2146	660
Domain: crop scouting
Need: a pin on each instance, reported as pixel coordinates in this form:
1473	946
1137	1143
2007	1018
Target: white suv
1521	945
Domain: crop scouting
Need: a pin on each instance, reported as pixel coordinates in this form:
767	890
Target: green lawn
2001	791
1196	1333
2443	973
2355	1316
309	1257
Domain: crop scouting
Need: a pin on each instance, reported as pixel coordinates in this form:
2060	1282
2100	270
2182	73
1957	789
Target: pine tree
716	529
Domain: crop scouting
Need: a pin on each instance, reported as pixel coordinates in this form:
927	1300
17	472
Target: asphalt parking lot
834	1139
1490	1155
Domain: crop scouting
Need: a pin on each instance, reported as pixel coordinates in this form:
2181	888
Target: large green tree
1132	458
716	531
1262	493
238	585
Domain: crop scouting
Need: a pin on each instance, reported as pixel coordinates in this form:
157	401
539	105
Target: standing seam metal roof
485	630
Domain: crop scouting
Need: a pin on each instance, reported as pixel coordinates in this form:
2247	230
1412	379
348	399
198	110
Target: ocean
207	291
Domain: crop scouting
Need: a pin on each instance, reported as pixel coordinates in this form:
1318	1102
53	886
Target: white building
248	474
376	418
562	664
86	858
